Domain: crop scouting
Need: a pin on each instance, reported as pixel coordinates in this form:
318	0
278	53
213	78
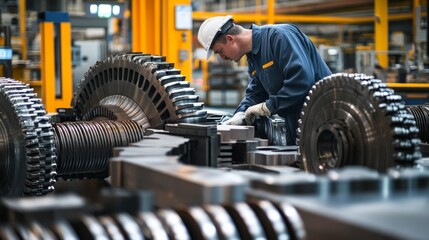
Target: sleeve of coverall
255	93
290	50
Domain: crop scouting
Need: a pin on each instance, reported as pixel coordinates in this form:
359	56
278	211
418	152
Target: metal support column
163	36
381	31
55	56
146	26
271	11
176	37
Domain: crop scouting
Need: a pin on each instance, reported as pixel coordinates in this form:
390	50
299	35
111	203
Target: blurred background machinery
140	153
136	124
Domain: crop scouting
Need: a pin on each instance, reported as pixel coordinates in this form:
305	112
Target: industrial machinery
353	119
136	124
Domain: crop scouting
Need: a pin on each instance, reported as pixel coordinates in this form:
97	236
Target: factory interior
113	124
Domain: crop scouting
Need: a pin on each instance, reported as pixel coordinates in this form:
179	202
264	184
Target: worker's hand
237	119
258	110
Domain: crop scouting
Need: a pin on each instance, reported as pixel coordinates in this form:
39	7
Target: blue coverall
283	65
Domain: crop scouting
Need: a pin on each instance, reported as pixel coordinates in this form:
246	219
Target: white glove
258	110
237	119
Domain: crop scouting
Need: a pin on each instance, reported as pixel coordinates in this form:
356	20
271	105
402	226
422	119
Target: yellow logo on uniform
267	64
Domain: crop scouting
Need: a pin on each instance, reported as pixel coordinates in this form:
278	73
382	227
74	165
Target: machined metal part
408	181
294	184
41	231
151	226
173	224
292	219
275	155
354	199
421	115
232	133
198	223
176	184
85	147
272	128
222	221
246	221
28	164
24	232
111	228
236	142
271	220
353	119
7	232
64	230
129	226
141	86
31	144
203	136
89	227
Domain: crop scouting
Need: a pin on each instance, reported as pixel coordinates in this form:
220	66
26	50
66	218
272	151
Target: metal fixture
353	119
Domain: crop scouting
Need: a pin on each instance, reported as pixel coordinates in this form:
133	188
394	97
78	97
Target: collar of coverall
256	38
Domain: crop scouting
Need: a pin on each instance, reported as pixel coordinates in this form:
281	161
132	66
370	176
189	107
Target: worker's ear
229	37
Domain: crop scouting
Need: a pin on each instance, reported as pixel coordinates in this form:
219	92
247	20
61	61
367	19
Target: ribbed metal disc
28	163
138	87
353	119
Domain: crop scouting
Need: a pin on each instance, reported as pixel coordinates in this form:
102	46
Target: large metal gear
32	147
353	119
28	163
138	87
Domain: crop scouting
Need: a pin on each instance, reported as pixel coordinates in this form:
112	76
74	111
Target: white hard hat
211	29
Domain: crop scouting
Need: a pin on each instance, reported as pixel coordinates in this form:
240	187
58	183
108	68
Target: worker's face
229	50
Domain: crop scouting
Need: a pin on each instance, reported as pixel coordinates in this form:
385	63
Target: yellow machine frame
156	33
47	62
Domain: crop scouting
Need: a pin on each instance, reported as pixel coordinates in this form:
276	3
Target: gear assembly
147	160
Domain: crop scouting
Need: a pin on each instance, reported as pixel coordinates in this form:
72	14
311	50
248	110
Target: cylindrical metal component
421	115
84	148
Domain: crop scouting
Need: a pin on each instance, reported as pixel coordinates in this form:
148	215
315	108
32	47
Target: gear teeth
38	162
143	87
376	129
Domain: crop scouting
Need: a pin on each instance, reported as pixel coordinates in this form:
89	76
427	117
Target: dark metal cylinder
84	148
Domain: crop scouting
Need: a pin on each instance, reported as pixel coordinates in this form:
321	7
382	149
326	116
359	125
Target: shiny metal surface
84	148
274	156
222	221
271	220
176	184
173	224
198	222
152	226
353	119
421	115
28	164
248	224
143	87
272	128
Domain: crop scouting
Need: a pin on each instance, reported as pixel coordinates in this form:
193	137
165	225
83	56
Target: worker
283	65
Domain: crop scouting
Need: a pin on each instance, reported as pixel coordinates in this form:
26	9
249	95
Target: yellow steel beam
238	17
47	64
322	19
381	31
409	85
271	11
22	30
243	17
176	42
258	10
146	26
138	21
66	67
416	6
156	43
